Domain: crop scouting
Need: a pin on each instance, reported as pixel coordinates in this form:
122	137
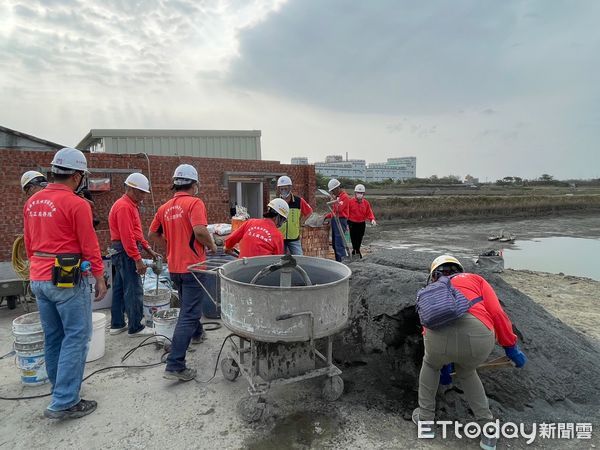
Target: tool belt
66	272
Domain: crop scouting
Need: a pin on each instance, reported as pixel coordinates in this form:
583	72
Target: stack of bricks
315	242
213	189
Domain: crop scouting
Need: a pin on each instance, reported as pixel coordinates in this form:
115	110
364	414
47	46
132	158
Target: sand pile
382	348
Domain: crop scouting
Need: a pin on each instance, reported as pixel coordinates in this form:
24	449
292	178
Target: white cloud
487	88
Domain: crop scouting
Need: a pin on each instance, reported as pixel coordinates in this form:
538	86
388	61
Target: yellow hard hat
444	259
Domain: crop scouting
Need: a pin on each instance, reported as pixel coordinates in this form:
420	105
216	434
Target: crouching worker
464	335
261	237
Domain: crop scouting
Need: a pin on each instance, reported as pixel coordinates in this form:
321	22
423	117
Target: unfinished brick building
223	182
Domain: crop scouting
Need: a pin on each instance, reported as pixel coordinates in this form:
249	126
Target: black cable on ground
214	326
104	369
217	362
130	352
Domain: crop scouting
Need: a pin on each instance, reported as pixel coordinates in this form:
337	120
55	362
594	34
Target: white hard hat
138	181
333	183
284	181
184	174
444	259
31	175
67	160
280	206
359	188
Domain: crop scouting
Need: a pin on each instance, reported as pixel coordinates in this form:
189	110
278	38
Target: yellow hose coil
19	258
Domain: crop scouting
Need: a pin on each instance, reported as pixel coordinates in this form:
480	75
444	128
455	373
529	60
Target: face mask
196	189
79	185
279	221
359	196
284	193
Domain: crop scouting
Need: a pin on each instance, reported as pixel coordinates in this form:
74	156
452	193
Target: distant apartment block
401	168
300	160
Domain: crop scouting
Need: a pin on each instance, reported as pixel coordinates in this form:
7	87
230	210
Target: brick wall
212	189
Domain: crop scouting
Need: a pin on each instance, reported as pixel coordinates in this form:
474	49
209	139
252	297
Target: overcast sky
487	88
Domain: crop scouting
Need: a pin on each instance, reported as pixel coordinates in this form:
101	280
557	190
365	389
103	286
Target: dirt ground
574	300
139	409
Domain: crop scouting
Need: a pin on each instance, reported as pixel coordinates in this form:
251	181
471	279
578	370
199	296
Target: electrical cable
130	352
217	361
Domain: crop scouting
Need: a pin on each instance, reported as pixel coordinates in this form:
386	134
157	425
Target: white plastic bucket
29	348
155	301
164	323
98	341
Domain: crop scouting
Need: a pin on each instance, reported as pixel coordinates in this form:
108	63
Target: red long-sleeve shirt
489	311
56	221
257	237
126	226
341	208
360	211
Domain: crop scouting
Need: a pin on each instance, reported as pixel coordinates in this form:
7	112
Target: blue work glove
516	355
445	371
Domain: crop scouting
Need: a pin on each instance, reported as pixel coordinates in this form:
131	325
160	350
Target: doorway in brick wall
248	194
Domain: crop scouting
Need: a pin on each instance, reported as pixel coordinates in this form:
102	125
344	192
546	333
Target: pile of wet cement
382	347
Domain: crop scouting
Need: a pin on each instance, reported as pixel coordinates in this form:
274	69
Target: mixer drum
250	310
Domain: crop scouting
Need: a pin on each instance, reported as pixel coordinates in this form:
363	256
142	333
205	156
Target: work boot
487	443
83	408
182	375
416	418
199	339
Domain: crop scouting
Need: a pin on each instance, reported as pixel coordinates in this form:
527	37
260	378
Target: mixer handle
286	261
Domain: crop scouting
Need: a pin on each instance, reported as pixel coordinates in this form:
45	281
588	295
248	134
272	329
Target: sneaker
182	375
115	331
487	443
416	418
198	339
83	408
144	332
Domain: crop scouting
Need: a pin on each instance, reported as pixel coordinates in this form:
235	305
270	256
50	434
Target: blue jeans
192	297
293	247
66	315
127	294
337	240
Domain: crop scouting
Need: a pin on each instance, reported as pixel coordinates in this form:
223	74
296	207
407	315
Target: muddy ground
139	409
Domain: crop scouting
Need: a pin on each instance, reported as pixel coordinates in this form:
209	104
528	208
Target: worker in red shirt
299	211
128	240
181	224
33	181
261	237
339	216
466	342
359	213
59	236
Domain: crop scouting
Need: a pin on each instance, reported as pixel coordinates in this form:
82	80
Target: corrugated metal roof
234	144
23	141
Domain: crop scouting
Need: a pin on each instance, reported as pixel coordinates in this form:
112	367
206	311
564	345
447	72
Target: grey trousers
467	343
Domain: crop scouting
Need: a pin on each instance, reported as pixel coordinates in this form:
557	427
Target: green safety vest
291	228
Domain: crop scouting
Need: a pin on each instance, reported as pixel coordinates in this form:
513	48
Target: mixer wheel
251	409
230	369
333	388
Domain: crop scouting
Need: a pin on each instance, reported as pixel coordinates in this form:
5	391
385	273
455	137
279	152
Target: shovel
502	361
337	221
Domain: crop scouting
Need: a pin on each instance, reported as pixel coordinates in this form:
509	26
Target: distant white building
401	168
300	160
395	168
353	168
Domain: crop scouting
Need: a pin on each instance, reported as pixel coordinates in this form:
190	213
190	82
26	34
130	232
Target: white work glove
374	223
